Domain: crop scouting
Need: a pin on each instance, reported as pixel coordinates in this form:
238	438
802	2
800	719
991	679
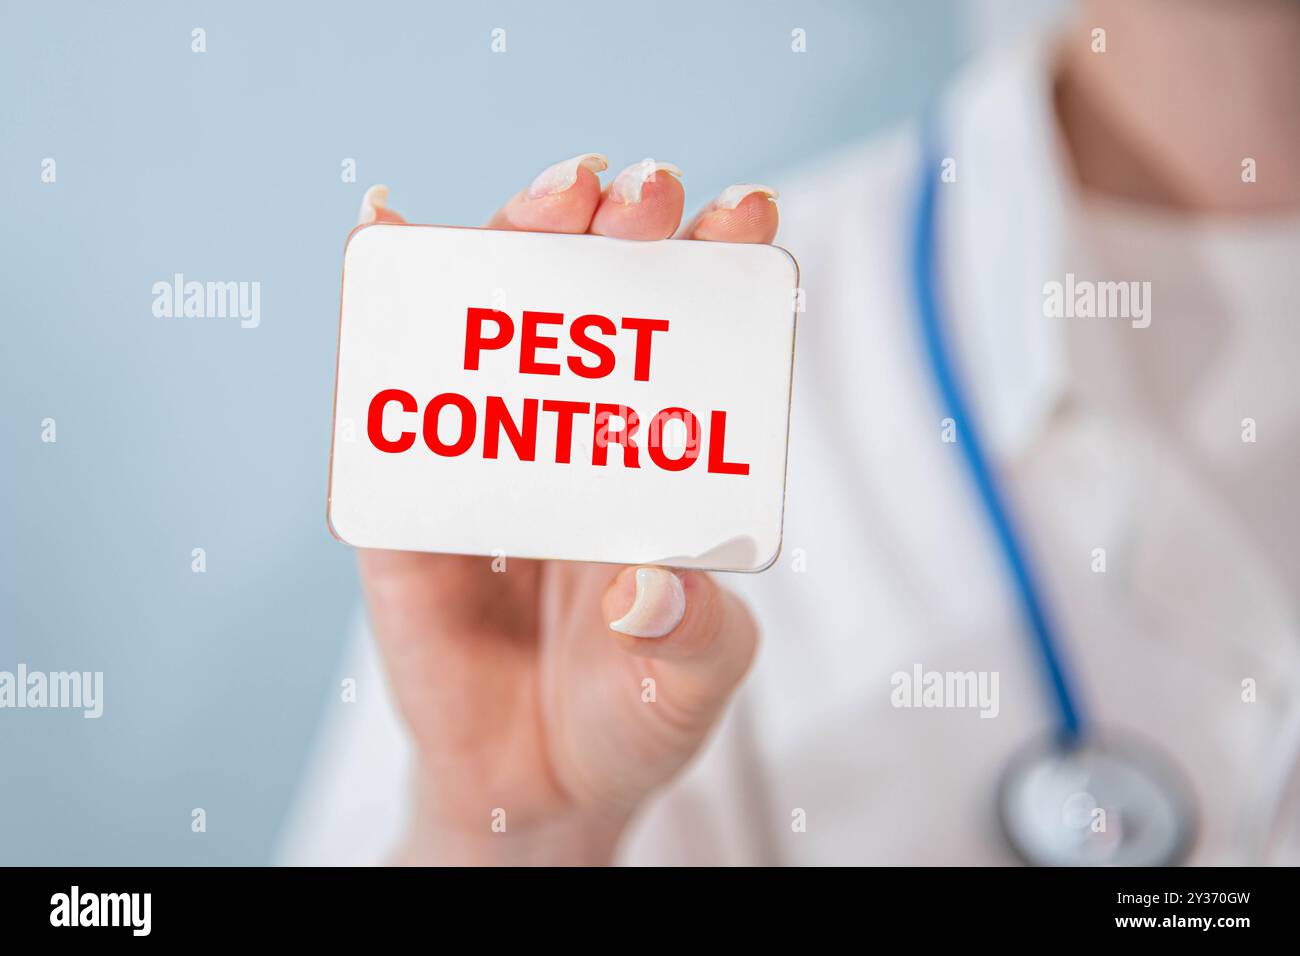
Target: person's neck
1185	94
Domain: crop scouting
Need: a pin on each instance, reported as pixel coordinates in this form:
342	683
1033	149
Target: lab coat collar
1003	231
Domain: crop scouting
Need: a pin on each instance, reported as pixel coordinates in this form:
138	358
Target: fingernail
375	199
733	196
627	185
658	607
562	176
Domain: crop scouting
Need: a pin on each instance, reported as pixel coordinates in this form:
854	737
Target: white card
570	397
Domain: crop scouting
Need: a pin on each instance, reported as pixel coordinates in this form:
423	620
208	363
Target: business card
566	397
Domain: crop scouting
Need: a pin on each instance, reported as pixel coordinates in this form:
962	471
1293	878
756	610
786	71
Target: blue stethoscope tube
925	286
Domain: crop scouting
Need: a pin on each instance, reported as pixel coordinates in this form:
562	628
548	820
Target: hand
524	691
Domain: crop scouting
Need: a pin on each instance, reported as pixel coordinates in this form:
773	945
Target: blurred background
173	435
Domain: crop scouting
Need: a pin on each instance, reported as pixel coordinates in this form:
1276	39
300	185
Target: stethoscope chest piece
1099	803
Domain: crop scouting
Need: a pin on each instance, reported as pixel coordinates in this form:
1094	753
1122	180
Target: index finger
745	212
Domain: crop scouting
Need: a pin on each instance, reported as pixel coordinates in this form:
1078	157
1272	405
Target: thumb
703	634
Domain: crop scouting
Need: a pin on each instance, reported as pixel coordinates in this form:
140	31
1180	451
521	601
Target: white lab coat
888	561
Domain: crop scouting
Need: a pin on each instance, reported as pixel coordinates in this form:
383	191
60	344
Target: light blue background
175	434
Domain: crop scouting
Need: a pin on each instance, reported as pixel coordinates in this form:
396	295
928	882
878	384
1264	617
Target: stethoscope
1079	798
